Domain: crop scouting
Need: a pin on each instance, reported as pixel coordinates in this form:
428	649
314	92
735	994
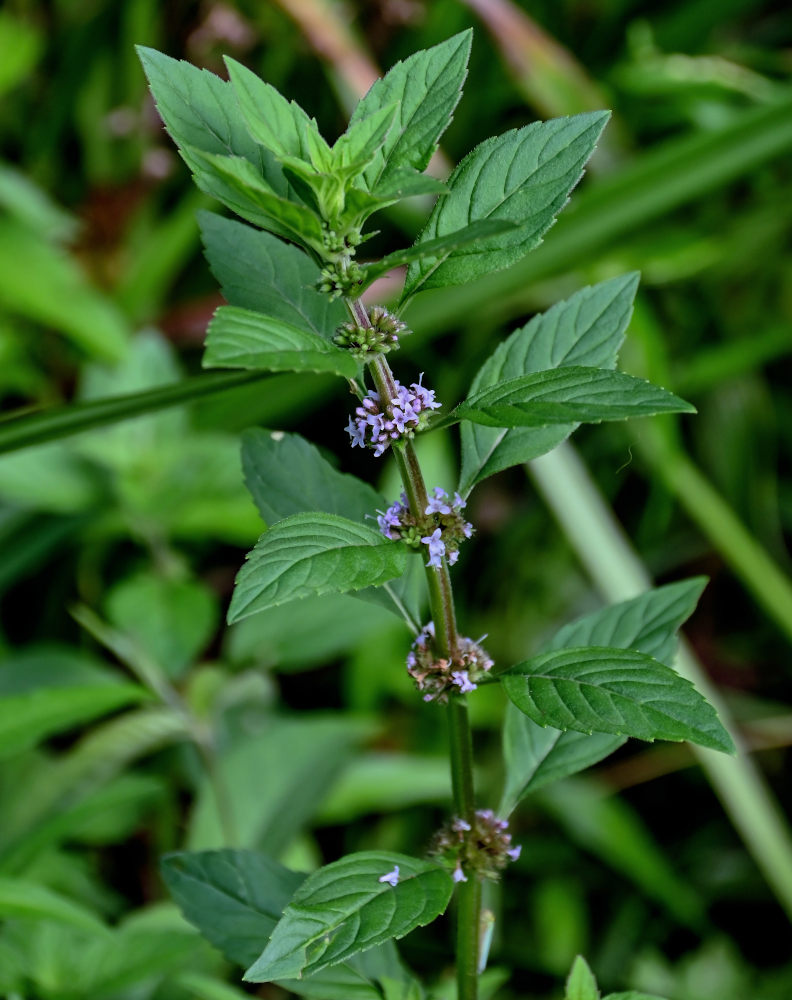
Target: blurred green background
127	711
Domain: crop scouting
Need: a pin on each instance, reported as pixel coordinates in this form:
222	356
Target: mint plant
294	282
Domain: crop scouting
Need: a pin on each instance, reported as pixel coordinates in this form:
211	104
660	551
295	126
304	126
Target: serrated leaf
581	984
200	111
476	231
287	475
536	756
616	691
258	271
241	338
539	755
277	123
313	554
525	176
406	183
238	184
362	140
647	623
586	329
567	395
427	87
344	908
235	898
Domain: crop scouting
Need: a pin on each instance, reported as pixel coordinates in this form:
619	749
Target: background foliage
127	712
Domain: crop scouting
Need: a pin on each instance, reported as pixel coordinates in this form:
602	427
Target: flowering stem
441	602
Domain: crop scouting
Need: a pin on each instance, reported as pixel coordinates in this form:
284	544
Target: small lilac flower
458	875
436	548
392	878
438	502
376	427
514	852
461	825
462	680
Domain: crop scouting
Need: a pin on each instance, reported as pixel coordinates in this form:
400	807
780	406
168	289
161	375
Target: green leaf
524	175
238	184
427	87
603	824
344	908
404	183
581	984
616	691
235	898
647	623
278	124
45	284
27	719
171	620
536	756
539	755
586	329
476	231
633	995
29	900
313	554
567	395
362	140
201	112
302	758
258	271
287	475
240	338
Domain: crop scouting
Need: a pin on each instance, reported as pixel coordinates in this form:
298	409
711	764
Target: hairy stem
441	603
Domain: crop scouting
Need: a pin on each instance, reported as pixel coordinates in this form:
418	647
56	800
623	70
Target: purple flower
462	680
392	878
375	427
514	852
438	502
436	548
458	875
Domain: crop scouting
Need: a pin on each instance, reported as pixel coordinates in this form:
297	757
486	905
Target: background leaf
586	329
171	620
23	898
524	176
344	908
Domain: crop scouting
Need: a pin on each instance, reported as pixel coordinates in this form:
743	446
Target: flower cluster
441	527
336	280
376	427
380	337
438	676
339	243
482	846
